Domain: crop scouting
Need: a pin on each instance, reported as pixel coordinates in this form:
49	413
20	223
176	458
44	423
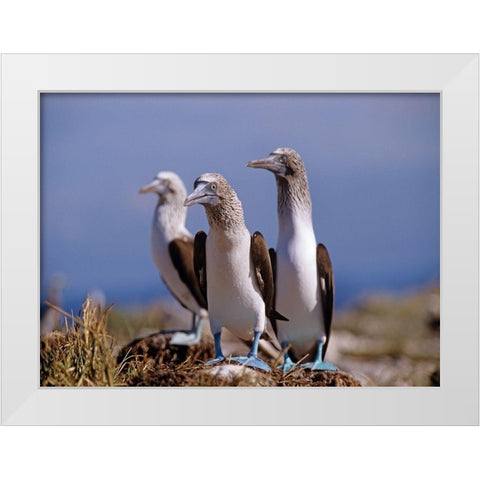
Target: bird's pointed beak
270	163
151	187
199	195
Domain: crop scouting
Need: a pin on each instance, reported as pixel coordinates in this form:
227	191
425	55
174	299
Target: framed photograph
389	145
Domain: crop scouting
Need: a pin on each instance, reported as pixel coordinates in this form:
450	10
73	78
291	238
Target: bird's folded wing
273	261
181	254
327	287
264	274
200	263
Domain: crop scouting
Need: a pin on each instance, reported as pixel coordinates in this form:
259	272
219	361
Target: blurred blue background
373	164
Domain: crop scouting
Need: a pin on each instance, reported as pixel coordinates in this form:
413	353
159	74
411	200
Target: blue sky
373	163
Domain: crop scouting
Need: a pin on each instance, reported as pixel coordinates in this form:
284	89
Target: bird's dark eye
283	159
214	186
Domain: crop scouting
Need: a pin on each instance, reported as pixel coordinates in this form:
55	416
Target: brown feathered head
291	176
221	203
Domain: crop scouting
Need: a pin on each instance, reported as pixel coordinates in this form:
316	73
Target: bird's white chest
234	300
160	253
297	292
297	282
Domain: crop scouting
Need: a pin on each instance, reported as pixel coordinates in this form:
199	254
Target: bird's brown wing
181	254
326	285
273	261
264	274
200	262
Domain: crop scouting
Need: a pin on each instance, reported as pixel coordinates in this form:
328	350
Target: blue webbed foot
191	337
219	357
185	338
319	365
252	361
215	360
287	365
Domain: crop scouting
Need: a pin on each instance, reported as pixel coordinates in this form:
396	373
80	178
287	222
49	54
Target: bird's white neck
294	222
169	219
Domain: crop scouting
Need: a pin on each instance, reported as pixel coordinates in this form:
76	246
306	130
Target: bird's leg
287	361
191	337
252	360
218	350
198	328
318	363
254	350
218	346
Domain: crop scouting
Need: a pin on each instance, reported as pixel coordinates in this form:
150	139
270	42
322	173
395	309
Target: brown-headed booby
233	268
304	284
172	251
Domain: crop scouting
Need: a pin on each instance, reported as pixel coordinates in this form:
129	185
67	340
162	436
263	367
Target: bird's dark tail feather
277	316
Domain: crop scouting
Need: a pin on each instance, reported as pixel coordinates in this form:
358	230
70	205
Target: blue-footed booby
233	268
172	251
304	284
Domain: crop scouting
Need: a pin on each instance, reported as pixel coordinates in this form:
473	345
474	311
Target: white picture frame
454	76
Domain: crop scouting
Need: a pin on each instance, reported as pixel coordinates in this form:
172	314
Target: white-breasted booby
172	251
304	284
233	268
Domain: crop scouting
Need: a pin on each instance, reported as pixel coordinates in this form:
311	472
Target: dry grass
380	341
151	361
190	374
82	355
